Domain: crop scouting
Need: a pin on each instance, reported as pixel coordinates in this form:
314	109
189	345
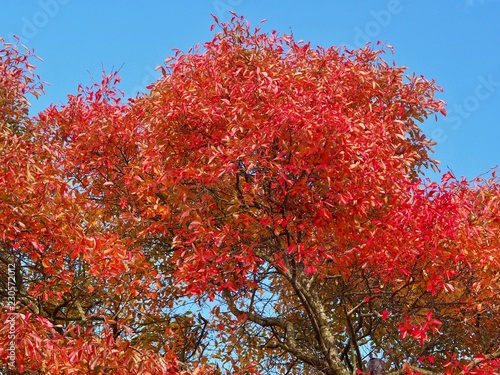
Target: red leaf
385	314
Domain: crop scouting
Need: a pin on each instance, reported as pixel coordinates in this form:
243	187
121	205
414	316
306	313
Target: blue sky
456	42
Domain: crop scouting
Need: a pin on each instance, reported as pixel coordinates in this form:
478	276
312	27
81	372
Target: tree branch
477	361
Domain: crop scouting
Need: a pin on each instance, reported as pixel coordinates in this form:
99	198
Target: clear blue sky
457	42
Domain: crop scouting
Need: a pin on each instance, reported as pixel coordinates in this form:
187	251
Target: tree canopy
261	209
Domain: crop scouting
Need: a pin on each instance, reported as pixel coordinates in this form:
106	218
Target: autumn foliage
261	209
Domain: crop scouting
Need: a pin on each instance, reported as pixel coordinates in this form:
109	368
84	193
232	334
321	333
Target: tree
275	186
70	281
